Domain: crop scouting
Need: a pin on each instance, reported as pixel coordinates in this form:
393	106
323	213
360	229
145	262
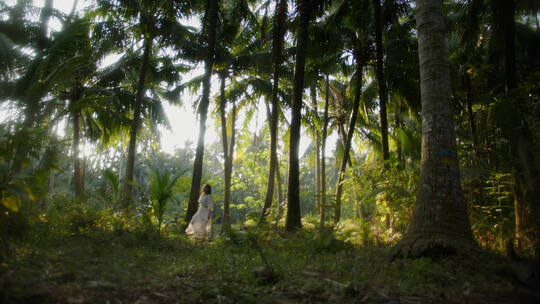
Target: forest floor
137	267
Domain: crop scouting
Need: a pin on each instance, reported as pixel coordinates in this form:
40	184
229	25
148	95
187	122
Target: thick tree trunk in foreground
293	220
323	155
440	224
277	49
211	20
135	124
381	81
348	140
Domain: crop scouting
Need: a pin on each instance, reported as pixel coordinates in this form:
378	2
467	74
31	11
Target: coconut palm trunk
348	139
440	223
228	149
468	102
313	93
277	49
323	153
381	81
293	219
227	199
211	22
78	172
136	122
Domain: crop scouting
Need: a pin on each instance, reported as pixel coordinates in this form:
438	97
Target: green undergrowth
65	265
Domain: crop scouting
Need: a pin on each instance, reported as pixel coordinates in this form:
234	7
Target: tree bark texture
348	140
440	223
293	220
211	20
381	81
277	49
136	122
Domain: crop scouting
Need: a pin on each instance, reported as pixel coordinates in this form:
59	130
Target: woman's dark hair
206	188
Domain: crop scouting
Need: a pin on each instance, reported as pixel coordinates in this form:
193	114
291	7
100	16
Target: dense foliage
84	99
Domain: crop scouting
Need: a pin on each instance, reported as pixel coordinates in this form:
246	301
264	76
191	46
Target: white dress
201	223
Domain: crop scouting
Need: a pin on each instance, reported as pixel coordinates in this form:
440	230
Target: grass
100	266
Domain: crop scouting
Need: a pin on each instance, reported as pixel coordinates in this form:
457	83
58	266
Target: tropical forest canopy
403	104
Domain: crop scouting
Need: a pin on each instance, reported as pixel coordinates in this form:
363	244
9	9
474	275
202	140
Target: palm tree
278	37
130	169
488	30
323	152
358	41
28	91
211	19
440	224
293	219
228	151
383	96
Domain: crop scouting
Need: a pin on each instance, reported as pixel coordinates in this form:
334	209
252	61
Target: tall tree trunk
277	49
323	154
225	227
279	184
77	164
381	81
273	167
348	139
440	224
472	124
135	123
228	149
399	149
313	92
211	23
44	17
293	220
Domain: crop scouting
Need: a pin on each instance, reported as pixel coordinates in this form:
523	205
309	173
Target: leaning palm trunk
348	139
440	224
135	123
293	220
277	48
211	20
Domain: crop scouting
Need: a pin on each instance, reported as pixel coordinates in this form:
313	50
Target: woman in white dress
201	223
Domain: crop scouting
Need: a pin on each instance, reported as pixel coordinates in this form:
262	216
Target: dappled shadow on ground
102	267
